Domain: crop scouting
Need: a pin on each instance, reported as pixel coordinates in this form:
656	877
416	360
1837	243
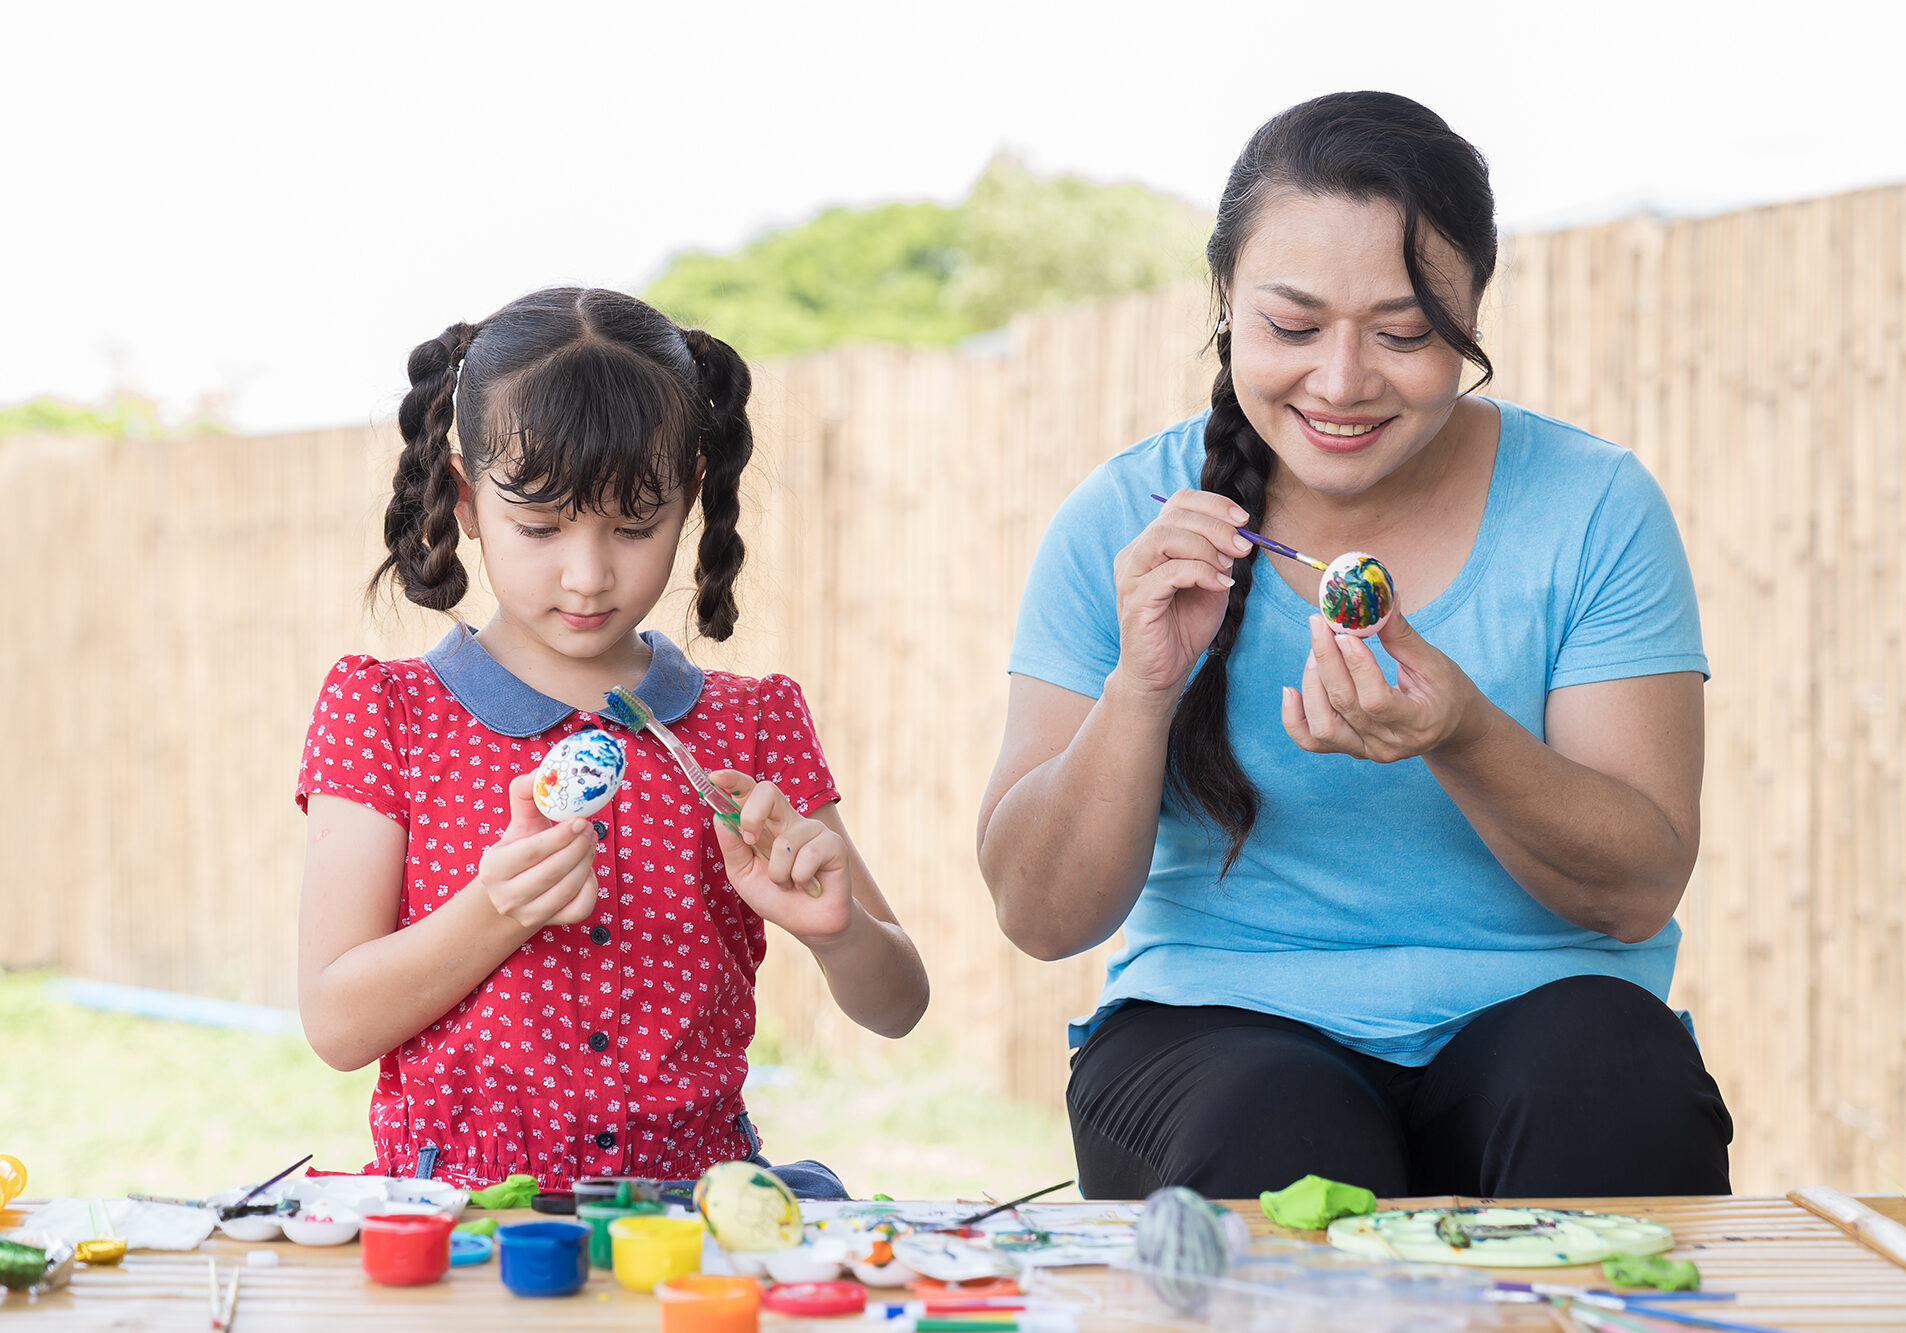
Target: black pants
1585	1087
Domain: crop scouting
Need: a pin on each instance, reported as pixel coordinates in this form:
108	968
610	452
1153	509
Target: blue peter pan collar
505	704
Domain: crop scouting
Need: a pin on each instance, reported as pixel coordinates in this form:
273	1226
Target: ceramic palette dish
322	1227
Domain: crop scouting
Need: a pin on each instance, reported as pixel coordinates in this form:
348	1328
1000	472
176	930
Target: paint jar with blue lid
544	1258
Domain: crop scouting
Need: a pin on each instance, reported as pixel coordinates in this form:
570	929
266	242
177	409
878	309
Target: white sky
276	202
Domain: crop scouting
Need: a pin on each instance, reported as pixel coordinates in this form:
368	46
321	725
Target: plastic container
648	1250
469	1247
698	1304
1296	1287
544	1258
597	1217
644	1195
406	1249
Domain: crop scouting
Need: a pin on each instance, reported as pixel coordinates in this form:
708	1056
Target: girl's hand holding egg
773	853
540	873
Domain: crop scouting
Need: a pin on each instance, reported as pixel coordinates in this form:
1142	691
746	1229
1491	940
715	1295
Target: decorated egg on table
748	1207
579	775
1357	594
1180	1243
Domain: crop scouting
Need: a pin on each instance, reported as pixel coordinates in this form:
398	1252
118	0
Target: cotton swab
1288	552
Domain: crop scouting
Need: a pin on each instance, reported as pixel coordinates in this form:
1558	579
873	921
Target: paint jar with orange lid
704	1303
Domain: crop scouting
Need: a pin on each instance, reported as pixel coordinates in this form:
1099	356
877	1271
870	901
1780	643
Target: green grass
105	1104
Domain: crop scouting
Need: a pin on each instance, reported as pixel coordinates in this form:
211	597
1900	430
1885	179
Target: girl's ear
466	497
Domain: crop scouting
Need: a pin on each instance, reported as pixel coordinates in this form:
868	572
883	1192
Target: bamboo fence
176	604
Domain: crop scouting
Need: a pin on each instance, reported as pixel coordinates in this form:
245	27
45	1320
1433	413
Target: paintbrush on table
1011	1203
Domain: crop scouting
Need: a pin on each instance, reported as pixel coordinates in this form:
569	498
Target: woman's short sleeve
1067	632
352	748
1632	611
787	752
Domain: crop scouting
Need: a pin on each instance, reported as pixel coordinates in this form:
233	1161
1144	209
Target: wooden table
1790	1269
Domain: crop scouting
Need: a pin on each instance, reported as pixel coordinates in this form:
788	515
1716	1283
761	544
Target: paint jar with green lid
598	1216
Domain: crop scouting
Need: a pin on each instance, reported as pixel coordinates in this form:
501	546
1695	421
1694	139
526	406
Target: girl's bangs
590	428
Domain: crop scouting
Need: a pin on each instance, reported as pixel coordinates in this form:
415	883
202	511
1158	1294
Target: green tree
124	416
1030	242
926	273
877	273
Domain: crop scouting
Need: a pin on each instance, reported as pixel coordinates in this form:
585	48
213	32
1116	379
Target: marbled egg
1357	594
579	775
748	1208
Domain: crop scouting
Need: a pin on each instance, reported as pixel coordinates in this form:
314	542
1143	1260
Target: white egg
580	774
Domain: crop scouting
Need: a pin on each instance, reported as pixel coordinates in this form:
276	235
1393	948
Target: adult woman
1411	925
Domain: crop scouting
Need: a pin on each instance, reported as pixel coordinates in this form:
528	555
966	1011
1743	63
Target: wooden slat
1786	1267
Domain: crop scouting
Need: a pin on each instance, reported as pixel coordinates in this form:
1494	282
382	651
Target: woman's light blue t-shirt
1364	904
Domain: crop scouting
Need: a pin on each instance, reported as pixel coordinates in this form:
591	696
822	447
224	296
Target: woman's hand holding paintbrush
1173	582
769	849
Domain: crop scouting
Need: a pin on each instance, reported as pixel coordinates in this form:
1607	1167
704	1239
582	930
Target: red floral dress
616	1046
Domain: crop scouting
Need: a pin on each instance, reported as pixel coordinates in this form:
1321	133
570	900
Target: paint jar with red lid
406	1249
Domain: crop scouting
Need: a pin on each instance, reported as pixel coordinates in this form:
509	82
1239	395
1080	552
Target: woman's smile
1340	435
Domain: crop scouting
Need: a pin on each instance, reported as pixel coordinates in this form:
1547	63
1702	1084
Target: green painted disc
1498	1237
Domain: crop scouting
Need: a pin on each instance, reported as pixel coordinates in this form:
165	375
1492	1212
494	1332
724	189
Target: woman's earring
1224	326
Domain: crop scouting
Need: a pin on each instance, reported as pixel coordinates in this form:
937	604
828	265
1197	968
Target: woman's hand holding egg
1346	706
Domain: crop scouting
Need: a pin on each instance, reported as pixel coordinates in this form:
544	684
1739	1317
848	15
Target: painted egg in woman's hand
1357	594
579	775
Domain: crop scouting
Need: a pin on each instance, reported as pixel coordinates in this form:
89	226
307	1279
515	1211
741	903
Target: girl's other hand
1345	706
1173	582
538	873
775	854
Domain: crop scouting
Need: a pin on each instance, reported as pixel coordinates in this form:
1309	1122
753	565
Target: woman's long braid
1203	769
725	384
420	523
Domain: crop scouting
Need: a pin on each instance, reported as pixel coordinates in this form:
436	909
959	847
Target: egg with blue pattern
579	775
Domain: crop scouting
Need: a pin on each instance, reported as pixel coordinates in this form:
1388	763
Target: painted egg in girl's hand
579	775
1357	594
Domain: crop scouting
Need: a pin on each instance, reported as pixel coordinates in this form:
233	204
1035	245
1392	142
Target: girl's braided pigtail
722	381
420	523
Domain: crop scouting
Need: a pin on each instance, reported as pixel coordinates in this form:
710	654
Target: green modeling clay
1314	1202
1651	1270
483	1226
516	1192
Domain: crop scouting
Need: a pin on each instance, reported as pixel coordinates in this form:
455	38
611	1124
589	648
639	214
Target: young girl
542	999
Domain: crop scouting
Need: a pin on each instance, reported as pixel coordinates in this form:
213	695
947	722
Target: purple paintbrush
1289	552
